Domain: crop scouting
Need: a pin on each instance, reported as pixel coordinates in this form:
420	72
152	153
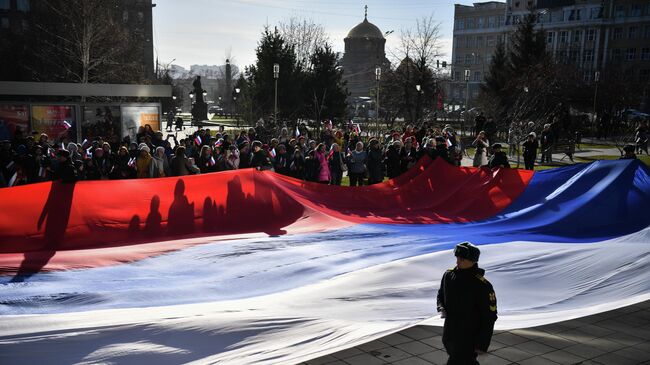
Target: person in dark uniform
467	302
499	158
629	152
530	151
259	158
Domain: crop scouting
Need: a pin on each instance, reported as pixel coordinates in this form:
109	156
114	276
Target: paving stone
555	341
535	347
596	330
419	332
364	359
605	344
625	339
553	328
412	361
395	339
491	359
322	360
577	335
390	354
495	345
530	333
435	341
585	351
634	353
537	360
436	357
374	345
509	339
614	359
415	347
512	353
563	357
353	351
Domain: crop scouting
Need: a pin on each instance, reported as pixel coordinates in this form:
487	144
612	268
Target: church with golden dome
364	51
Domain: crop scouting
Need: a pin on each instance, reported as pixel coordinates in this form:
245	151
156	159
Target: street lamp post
596	79
467	75
418	87
276	75
377	77
237	90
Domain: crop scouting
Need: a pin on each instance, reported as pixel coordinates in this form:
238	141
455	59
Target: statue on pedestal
200	108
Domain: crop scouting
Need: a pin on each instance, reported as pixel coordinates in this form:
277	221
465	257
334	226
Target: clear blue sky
209	31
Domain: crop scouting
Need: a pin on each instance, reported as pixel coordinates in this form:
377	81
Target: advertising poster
57	121
134	117
13	117
101	120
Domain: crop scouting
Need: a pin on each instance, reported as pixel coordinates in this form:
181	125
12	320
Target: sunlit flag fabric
251	267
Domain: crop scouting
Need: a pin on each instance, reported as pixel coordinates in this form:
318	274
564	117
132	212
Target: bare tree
83	41
305	36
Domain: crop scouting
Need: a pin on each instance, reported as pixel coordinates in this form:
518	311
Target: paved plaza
618	337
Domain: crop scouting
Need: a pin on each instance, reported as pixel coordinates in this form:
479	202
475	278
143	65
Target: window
5	4
635	10
479	42
563	36
490	41
22	5
619	11
140	17
586	76
469	23
647	9
477	76
568	15
644	75
468	59
459	59
596	13
125	16
459	42
591	34
477	59
616	54
618	33
646	32
577	35
470	42
460	24
573	56
630	54
479	23
556	16
492	22
645	54
4	22
589	55
631	32
578	14
549	37
502	20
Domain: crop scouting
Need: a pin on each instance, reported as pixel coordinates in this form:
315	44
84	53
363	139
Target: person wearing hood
468	304
159	164
143	162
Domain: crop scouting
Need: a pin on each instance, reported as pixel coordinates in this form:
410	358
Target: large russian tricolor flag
250	267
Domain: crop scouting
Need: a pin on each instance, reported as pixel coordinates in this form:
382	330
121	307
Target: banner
57	121
134	117
101	120
13	117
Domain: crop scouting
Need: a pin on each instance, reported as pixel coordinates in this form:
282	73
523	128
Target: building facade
15	25
592	34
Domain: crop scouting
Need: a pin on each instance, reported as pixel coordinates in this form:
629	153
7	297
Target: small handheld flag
212	162
12	181
66	124
197	140
131	162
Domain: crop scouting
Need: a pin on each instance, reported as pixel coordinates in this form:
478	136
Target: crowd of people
324	158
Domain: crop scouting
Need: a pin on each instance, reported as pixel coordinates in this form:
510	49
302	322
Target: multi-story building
15	18
593	34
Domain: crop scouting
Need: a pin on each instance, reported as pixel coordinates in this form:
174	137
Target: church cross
366	12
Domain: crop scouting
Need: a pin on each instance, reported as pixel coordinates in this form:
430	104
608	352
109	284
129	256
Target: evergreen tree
528	46
273	49
325	90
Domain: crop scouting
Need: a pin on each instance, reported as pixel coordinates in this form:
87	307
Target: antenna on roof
365	16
